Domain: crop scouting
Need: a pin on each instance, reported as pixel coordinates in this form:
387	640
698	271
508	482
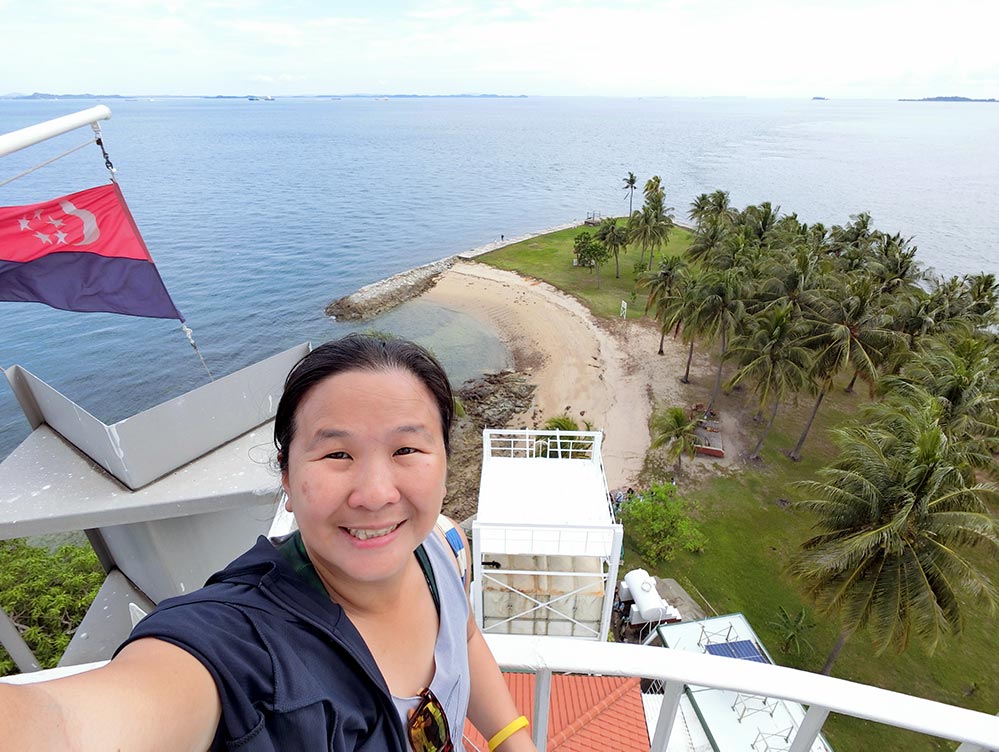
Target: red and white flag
80	252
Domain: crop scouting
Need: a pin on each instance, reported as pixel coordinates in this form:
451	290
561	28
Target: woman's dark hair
359	352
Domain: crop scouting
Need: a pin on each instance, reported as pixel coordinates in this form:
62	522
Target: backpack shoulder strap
456	542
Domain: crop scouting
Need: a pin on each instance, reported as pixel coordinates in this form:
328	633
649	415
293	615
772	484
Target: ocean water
260	213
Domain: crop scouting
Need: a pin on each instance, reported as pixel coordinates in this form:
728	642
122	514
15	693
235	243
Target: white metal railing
600	542
677	669
34	134
552	444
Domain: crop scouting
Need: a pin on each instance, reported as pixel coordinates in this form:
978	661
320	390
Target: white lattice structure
545	544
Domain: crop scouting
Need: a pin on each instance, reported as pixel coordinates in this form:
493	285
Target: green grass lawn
751	537
549	257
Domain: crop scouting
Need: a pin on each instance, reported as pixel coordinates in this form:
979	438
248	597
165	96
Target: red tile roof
587	713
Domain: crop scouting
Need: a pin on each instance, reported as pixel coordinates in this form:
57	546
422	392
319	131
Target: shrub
46	595
659	524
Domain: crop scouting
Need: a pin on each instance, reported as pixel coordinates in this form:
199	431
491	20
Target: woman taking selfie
352	634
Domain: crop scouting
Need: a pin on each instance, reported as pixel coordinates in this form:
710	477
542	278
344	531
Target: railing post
612	572
809	729
542	701
672	691
478	594
15	645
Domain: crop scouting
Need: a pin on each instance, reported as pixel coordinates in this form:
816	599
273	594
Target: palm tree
662	226
772	354
720	209
896	510
661	283
708	242
673	429
797	279
700	209
678	312
615	238
960	377
719	313
641	230
653	190
630	183
853	331
792	629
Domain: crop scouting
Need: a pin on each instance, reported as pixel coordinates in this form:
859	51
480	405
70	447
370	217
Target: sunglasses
428	729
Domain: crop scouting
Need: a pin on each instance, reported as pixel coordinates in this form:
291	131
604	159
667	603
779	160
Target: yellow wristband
506	732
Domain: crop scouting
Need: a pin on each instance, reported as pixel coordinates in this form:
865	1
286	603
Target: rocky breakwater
379	297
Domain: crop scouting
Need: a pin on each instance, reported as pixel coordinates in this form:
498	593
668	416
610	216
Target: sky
681	48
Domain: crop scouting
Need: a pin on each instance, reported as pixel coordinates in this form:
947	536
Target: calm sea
260	213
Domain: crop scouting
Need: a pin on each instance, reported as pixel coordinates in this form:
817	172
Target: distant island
948	99
820	99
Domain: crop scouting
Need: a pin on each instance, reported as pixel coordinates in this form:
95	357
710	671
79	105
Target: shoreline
589	368
378	297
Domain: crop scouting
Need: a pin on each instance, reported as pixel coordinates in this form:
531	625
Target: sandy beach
603	371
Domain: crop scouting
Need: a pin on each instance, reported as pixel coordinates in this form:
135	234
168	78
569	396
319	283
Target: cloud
631	47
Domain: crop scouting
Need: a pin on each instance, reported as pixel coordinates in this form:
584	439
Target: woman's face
366	472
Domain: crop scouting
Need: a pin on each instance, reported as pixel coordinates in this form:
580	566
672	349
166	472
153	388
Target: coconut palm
961	378
678	312
653	190
774	356
894	266
674	429
719	313
760	220
700	209
615	238
897	510
630	183
720	208
708	241
796	278
852	331
660	283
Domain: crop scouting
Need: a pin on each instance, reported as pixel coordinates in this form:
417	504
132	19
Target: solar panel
744	649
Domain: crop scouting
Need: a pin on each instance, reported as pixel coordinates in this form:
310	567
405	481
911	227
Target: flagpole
34	134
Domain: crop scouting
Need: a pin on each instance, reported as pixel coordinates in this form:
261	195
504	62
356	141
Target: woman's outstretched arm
153	696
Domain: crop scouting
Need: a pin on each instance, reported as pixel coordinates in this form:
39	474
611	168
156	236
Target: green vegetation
658	523
799	314
46	595
549	258
675	430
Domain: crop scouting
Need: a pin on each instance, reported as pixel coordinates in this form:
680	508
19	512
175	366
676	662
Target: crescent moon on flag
91	231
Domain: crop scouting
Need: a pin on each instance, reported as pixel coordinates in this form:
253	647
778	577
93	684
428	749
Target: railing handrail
596	527
35	134
567	655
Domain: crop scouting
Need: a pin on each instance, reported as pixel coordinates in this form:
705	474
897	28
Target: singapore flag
80	252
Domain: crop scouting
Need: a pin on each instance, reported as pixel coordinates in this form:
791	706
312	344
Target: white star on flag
25	224
56	222
43	237
61	236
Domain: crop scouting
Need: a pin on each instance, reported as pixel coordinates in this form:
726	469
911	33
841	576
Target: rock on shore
491	401
379	297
